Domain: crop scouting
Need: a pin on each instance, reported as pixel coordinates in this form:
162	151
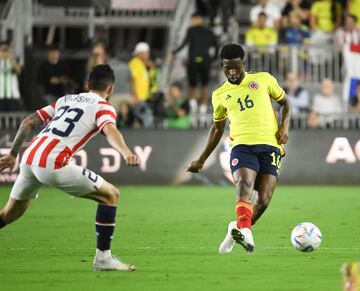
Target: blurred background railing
344	121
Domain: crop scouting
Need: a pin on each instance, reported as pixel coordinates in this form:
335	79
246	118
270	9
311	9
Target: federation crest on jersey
254	85
234	162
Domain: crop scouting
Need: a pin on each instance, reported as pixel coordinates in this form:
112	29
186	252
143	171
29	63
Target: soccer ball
306	237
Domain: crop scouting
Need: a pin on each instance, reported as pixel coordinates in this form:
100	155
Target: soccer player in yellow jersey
256	140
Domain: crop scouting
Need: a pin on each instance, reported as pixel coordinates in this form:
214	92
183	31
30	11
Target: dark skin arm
27	125
282	135
215	134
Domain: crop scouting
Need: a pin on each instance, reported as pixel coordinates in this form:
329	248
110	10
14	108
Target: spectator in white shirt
327	102
325	105
299	97
273	13
9	85
349	33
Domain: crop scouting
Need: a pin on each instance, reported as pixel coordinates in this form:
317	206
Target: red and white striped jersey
71	122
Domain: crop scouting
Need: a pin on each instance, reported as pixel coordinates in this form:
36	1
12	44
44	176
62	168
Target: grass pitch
172	234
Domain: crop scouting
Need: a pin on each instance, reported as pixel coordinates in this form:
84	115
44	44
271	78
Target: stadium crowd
271	23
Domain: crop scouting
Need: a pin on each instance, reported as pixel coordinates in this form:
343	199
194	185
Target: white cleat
228	243
111	264
244	237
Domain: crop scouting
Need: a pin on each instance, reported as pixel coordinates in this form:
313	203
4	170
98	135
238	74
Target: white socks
102	255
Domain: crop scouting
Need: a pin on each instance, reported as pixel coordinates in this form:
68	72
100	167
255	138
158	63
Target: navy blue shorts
260	158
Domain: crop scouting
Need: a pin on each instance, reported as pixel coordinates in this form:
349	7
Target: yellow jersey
261	37
248	106
322	11
140	74
355	10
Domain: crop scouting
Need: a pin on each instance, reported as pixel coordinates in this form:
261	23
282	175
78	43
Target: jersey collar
242	81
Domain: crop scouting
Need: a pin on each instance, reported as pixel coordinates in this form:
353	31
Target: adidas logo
228	97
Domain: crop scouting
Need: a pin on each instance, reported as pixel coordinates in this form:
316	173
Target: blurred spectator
295	33
53	77
313	120
177	108
327	102
355	100
354	9
139	79
201	41
325	105
299	97
325	17
349	33
156	101
272	12
226	8
99	56
127	117
9	83
301	8
140	84
154	75
261	35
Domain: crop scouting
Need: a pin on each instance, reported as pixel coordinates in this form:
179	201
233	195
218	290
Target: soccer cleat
111	264
243	236
228	243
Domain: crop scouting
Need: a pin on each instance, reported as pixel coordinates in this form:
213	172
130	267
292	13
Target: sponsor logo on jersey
228	97
253	85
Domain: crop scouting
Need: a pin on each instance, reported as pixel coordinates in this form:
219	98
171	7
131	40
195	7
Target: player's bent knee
116	194
244	183
113	196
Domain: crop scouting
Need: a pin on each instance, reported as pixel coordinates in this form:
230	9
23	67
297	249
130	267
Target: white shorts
71	179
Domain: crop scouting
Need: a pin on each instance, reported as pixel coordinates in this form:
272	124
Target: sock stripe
104	226
244	211
104	223
244	204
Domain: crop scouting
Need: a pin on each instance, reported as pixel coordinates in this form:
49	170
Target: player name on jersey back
70	123
80	98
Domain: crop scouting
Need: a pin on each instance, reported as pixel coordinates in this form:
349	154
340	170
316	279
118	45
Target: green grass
172	234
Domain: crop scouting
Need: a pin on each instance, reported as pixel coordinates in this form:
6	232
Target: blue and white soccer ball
306	237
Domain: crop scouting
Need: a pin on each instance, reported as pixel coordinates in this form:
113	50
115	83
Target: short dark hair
197	14
5	42
262	14
53	47
232	51
177	84
354	17
100	77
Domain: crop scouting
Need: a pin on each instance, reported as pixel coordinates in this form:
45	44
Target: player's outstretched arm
116	140
27	125
282	134
215	134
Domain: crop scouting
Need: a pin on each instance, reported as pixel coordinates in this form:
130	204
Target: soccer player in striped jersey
70	123
256	140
